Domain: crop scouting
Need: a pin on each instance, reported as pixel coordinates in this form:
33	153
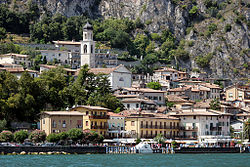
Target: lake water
130	160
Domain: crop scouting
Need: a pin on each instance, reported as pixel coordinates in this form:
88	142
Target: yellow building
94	118
60	121
150	125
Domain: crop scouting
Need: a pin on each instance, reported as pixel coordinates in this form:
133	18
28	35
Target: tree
20	136
6	136
37	136
246	130
75	134
154	85
215	104
3	33
160	139
3	124
53	138
63	135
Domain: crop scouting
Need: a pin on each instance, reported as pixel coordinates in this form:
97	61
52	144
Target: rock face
230	49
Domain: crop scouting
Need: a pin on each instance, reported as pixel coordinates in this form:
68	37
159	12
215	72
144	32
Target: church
83	52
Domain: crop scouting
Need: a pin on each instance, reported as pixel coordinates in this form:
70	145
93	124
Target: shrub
20	136
63	135
245	65
154	85
212	27
235	70
193	11
188	30
53	138
203	61
6	136
147	22
155	36
37	136
228	28
190	43
75	134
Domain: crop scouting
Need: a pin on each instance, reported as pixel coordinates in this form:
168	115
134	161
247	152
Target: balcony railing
98	117
158	127
188	128
215	128
187	137
99	127
153	136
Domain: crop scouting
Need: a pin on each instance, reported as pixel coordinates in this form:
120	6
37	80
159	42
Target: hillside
214	33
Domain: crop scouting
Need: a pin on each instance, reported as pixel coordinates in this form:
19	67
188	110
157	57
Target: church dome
88	26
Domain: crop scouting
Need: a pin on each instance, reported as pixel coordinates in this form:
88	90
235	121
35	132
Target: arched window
85	49
121	79
91	48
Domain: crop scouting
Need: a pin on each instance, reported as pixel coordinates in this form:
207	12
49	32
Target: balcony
99	127
215	128
153	136
157	127
98	117
188	128
187	137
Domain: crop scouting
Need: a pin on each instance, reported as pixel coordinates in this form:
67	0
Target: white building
196	123
139	103
88	47
119	76
116	124
13	58
62	57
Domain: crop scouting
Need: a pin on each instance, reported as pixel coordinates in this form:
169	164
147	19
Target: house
239	96
149	125
195	123
165	74
119	76
116	124
214	90
94	118
104	57
44	67
17	70
60	121
13	58
139	104
157	96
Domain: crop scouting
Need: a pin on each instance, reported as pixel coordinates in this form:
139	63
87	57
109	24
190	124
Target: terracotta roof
67	42
73	113
181	89
92	107
126	96
210	85
175	98
15	54
112	114
52	67
146	90
201	113
101	70
202	104
166	69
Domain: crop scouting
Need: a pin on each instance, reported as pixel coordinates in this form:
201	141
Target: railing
215	128
153	136
158	127
98	117
188	128
99	127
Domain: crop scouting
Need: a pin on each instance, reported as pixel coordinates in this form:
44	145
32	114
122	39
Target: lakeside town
188	108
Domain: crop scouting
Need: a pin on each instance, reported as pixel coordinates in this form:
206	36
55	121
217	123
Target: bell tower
88	46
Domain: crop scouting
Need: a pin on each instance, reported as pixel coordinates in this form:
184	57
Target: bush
155	36
193	11
20	136
203	61
53	138
154	85
6	136
75	134
228	28
37	136
245	65
63	135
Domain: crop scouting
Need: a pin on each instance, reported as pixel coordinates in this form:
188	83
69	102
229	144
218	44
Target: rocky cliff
215	30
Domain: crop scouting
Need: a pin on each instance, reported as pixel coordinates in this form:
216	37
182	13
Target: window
87	113
87	123
137	105
128	106
85	49
159	98
91	49
230	95
85	36
206	126
43	121
132	123
240	94
64	124
194	117
121	79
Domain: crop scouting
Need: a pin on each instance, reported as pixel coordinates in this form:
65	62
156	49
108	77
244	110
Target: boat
143	147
